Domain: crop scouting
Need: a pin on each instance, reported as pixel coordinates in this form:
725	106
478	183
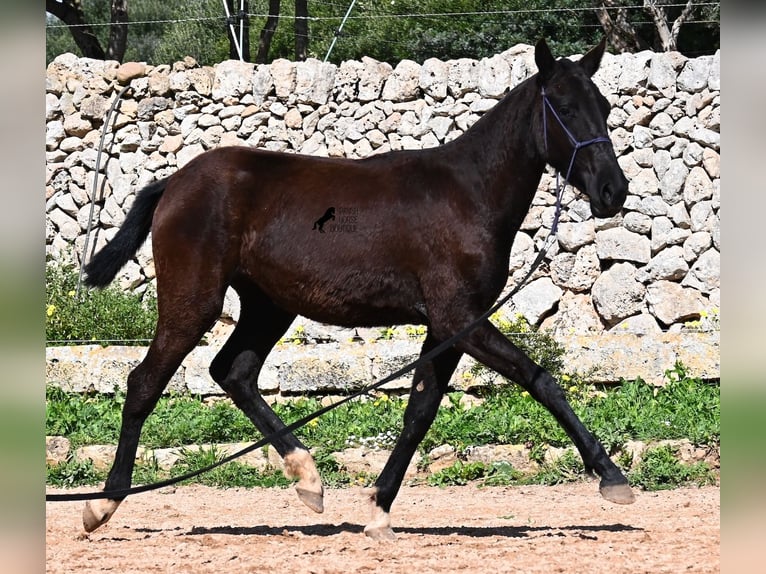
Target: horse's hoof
299	464
617	493
380	533
97	513
314	500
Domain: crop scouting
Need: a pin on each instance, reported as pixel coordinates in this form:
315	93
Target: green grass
685	408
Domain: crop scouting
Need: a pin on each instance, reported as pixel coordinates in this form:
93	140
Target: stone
233	79
694	75
463	76
536	299
670	302
619	244
372	76
637	222
314	81
362	460
56	450
434	75
572	236
517	455
669	264
494	76
672	182
644	183
575	314
404	82
642	324
130	70
617	294
697	186
696	244
705	273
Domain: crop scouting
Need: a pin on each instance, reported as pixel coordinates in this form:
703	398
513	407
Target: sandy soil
567	528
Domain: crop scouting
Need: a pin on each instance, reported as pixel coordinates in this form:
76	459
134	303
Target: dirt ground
567	528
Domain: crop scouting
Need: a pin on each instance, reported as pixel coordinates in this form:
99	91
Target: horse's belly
349	297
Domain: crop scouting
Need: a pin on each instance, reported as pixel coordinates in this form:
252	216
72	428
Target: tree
270	27
267	33
301	29
72	14
668	36
620	33
668	18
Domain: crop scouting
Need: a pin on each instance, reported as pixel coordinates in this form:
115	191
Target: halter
577	145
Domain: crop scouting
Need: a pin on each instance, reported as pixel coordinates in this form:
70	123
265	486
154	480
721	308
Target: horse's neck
505	149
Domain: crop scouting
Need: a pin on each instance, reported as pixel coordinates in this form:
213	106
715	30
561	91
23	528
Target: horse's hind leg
489	346
236	369
429	384
176	336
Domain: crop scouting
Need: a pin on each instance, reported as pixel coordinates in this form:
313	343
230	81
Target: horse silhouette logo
328	215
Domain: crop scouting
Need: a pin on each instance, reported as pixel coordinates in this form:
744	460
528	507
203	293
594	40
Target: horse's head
575	138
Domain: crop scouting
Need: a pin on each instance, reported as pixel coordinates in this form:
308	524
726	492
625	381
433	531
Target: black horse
237	216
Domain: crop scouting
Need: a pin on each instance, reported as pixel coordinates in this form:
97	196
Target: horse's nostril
606	193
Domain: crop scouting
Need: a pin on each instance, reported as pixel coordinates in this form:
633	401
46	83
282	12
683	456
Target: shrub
104	315
660	469
539	345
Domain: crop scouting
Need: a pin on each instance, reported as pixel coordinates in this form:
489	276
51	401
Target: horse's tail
105	264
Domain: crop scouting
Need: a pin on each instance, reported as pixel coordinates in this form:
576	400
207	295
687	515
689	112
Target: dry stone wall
652	270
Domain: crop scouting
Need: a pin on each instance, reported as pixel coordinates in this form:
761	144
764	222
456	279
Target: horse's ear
544	60
592	60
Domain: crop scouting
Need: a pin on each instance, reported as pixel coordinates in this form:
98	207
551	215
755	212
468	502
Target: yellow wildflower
50	310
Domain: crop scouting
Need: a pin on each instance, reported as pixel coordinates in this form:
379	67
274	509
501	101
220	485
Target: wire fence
52	24
325	29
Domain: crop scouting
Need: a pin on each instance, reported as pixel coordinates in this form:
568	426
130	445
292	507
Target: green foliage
660	469
539	345
230	475
494	474
567	468
163	32
73	473
458	474
83	419
108	314
684	408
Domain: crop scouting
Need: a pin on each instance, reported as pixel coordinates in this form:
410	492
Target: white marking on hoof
379	527
618	493
299	464
98	512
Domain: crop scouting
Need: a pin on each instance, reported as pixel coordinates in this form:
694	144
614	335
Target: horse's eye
565	111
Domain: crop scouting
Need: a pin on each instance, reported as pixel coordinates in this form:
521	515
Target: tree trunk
301	30
118	31
264	44
70	13
620	33
668	35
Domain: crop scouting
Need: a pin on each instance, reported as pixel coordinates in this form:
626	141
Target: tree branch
70	13
619	32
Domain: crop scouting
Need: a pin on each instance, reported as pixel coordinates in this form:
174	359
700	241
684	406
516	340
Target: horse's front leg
428	386
489	346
